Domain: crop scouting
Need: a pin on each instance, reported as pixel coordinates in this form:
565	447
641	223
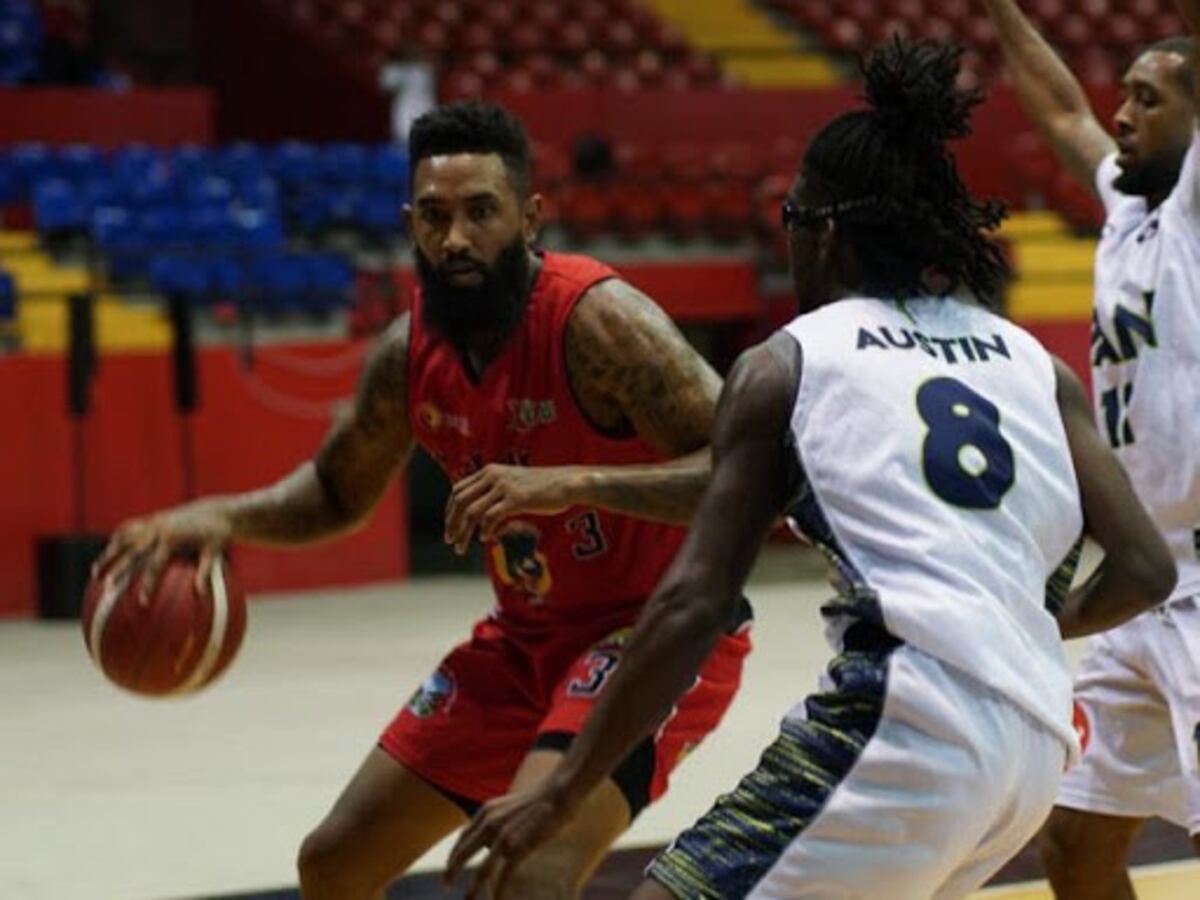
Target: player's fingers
208	558
113	550
471	516
481	885
472	482
495	514
456	506
505	866
152	571
468	844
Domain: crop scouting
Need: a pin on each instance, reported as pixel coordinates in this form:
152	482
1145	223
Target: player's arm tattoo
633	372
697	598
337	490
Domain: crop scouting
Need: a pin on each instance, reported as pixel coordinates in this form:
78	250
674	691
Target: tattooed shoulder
632	370
382	393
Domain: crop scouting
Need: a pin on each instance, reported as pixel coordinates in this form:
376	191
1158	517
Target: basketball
177	642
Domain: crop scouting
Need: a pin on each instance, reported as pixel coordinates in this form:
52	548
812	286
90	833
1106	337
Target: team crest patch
519	562
434	696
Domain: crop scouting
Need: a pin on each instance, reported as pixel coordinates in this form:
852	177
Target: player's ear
531	217
408	218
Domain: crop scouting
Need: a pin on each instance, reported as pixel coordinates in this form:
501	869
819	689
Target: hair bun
911	88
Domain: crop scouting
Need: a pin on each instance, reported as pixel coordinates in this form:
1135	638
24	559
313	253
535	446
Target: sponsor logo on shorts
434	696
1083	725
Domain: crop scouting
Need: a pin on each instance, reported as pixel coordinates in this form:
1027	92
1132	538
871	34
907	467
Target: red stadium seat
637	209
685	209
586	209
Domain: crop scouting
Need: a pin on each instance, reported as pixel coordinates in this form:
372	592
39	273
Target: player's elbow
1150	571
690	601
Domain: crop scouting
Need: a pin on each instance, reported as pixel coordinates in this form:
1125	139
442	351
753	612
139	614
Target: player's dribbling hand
147	544
509	828
480	502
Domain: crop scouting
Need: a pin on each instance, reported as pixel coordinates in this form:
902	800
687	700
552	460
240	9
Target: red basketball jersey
585	564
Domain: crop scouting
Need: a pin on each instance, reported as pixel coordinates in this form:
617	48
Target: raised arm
680	624
1050	94
1137	571
632	372
324	497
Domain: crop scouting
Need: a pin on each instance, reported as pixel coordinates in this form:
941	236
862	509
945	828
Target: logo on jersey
1083	726
435	420
434	696
1128	331
525	415
518	562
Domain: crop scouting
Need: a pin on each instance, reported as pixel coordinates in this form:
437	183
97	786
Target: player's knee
543	879
1075	852
322	863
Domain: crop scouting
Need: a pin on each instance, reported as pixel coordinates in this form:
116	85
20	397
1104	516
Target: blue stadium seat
391	166
330	278
8	297
163	227
256	228
117	232
8	180
295	163
226	276
280	282
137	162
155	188
31	163
209	225
81	162
20	41
209	190
240	161
381	213
191	161
346	164
179	275
60	206
257	191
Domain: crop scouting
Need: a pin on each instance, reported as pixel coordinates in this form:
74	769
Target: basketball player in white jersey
947	466
1138	689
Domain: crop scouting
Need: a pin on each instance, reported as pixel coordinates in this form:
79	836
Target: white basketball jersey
1146	352
938	477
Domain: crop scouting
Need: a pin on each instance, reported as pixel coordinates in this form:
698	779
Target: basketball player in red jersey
573	419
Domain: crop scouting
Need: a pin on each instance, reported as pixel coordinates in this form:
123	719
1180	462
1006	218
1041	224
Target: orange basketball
174	644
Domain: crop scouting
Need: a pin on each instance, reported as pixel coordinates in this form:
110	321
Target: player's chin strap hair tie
795	216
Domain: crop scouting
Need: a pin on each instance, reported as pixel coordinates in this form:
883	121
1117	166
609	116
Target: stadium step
1054	268
747	43
43	288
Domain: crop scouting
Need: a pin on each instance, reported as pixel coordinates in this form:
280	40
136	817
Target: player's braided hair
472	127
915	214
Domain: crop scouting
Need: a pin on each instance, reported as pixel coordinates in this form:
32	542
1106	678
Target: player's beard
1156	176
494	306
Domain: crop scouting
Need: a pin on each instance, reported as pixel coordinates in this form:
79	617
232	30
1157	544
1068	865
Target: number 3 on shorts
966	460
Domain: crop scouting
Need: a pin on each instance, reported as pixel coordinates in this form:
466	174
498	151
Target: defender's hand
510	828
148	543
483	500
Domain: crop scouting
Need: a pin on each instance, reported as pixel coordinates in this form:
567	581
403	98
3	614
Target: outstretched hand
480	502
147	544
510	828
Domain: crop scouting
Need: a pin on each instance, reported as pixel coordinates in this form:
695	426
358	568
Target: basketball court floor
106	796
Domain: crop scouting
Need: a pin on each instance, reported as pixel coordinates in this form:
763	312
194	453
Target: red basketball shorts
493	699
